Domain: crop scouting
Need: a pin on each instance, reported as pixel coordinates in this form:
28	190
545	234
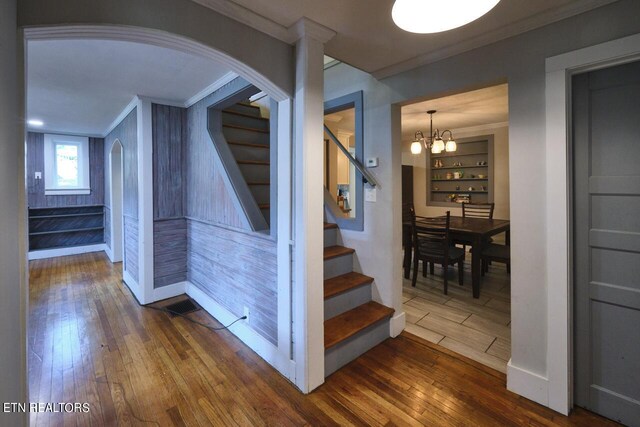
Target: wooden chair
497	253
432	244
478	210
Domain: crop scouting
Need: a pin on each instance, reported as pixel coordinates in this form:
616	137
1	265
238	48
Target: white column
13	264
308	301
145	202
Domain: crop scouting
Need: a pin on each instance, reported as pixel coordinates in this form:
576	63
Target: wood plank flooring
476	328
89	341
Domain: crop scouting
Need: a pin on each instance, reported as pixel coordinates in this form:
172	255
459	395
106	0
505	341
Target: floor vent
183	307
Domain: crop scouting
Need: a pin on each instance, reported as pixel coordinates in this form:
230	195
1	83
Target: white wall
521	62
500	173
13	303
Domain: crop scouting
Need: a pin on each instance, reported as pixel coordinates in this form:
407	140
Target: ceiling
477	108
81	86
368	39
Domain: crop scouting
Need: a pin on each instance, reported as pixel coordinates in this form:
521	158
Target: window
66	165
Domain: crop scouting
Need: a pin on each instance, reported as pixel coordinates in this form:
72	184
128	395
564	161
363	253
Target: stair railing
365	174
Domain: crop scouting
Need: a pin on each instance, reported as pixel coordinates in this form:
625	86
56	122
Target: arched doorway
115	232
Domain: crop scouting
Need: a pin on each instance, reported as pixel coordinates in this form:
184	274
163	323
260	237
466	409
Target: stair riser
252	111
241	152
337	266
330	237
250	122
346	301
260	193
255	173
243	135
348	350
267	215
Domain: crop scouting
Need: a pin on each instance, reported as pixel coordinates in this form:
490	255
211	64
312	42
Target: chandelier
435	142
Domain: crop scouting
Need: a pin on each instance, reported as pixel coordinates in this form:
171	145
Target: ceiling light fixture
435	143
442	15
34	122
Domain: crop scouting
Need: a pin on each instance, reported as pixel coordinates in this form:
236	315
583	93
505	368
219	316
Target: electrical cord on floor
165	310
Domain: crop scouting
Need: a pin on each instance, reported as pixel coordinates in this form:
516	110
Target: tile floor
476	328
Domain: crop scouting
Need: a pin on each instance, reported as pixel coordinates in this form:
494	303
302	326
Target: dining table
473	231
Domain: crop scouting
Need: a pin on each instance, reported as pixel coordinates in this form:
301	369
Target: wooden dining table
476	231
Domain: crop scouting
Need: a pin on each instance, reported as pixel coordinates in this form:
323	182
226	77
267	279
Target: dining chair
432	244
476	210
497	253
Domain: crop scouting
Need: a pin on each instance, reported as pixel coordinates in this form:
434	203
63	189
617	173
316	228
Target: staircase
353	322
247	134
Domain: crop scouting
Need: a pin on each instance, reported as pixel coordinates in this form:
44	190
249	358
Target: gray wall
521	62
235	267
127	133
169	195
35	188
13	304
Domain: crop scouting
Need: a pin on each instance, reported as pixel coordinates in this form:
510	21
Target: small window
66	165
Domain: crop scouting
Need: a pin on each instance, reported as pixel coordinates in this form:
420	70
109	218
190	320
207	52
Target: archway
115	239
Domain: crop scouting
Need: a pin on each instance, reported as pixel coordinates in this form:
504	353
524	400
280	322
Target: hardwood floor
478	328
89	341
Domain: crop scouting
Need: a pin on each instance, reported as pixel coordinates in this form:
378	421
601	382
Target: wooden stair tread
345	282
229	125
348	324
331	252
254	162
238	113
259	183
248	144
328	225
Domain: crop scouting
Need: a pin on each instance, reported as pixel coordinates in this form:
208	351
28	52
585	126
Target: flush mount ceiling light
434	16
35	122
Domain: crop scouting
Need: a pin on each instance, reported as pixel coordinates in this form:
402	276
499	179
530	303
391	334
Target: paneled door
606	173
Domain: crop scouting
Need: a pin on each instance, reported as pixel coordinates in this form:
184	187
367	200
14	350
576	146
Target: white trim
227	78
115	207
67	192
132	284
397	324
156	38
481	128
63	132
528	384
109	253
558	186
145	200
129	108
169	291
51	187
74	250
243	331
510	30
305	27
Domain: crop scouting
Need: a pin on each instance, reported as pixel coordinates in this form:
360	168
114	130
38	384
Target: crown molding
305	27
124	113
62	132
511	30
227	78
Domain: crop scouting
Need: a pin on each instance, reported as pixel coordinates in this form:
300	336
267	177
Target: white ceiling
81	86
368	39
465	110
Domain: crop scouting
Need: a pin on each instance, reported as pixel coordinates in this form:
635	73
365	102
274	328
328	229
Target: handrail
366	175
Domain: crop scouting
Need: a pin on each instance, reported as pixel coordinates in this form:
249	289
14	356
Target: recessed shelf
458	167
458	155
460	191
65	215
460	179
72	230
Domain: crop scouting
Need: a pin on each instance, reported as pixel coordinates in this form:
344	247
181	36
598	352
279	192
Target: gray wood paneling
169	131
169	251
236	269
127	133
131	246
207	197
35	163
107	226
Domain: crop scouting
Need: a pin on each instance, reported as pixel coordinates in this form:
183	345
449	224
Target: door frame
115	210
558	392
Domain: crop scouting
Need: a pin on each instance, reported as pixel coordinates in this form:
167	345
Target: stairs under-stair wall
354	323
248	136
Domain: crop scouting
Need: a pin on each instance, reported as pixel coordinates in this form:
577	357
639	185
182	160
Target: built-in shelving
61	227
473	157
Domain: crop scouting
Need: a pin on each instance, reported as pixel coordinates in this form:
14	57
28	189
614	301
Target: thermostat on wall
372	162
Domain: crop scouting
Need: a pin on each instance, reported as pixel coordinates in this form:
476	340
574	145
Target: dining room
455	197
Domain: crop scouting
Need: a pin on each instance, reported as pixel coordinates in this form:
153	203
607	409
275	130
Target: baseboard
109	252
528	384
251	338
169	291
397	324
132	284
74	250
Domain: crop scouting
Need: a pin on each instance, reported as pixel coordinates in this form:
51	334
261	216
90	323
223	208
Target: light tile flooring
476	328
